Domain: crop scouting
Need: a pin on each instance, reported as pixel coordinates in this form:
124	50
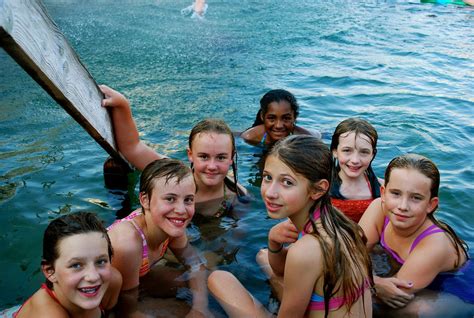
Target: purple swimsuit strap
430	230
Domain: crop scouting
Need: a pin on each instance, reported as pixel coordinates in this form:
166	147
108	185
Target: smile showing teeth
90	290
177	222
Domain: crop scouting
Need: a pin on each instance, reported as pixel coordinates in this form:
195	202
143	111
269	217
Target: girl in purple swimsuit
403	221
326	271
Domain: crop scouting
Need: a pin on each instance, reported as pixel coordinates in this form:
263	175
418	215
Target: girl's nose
180	207
355	158
212	164
92	275
403	204
271	191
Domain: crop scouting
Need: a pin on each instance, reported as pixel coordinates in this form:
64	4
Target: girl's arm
302	270
372	222
283	232
389	289
303	131
127	259
125	130
433	255
253	135
197	274
430	257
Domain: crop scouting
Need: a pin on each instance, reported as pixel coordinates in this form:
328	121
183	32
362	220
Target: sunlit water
406	67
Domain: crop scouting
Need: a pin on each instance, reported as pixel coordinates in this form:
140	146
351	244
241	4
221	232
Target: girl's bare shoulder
253	134
43	306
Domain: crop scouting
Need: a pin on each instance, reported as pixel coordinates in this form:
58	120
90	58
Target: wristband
275	251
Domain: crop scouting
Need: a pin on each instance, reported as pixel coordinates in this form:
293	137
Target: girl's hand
389	291
113	98
284	232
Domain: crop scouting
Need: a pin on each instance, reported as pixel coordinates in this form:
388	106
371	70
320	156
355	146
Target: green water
404	66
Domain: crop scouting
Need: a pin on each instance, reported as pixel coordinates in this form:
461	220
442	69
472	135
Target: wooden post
34	41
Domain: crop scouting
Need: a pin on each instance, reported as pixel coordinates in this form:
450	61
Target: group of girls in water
317	258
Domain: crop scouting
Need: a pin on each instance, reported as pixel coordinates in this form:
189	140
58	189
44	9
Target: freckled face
171	207
279	121
354	153
284	192
406	198
82	271
211	155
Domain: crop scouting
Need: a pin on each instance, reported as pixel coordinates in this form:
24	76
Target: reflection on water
404	66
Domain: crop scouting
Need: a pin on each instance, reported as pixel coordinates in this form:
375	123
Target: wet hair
218	126
69	225
345	257
275	95
427	168
162	168
359	127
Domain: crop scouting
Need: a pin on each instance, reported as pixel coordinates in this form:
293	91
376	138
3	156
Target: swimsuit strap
224	207
264	138
144	243
316	215
430	230
385	246
50	293
317	301
368	182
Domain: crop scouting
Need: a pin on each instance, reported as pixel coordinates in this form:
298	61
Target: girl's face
82	273
354	153
279	120
211	155
284	192
406	198
171	207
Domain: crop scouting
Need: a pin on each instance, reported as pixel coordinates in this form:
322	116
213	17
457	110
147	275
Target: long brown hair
218	126
427	167
346	262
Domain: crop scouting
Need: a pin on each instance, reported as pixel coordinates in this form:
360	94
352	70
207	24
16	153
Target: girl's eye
287	182
221	158
267	178
102	262
75	266
189	201
346	150
203	157
395	193
417	198
170	199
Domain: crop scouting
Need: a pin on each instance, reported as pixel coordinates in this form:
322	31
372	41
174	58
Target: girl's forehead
409	177
282	106
211	137
353	137
77	245
212	142
163	185
277	166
